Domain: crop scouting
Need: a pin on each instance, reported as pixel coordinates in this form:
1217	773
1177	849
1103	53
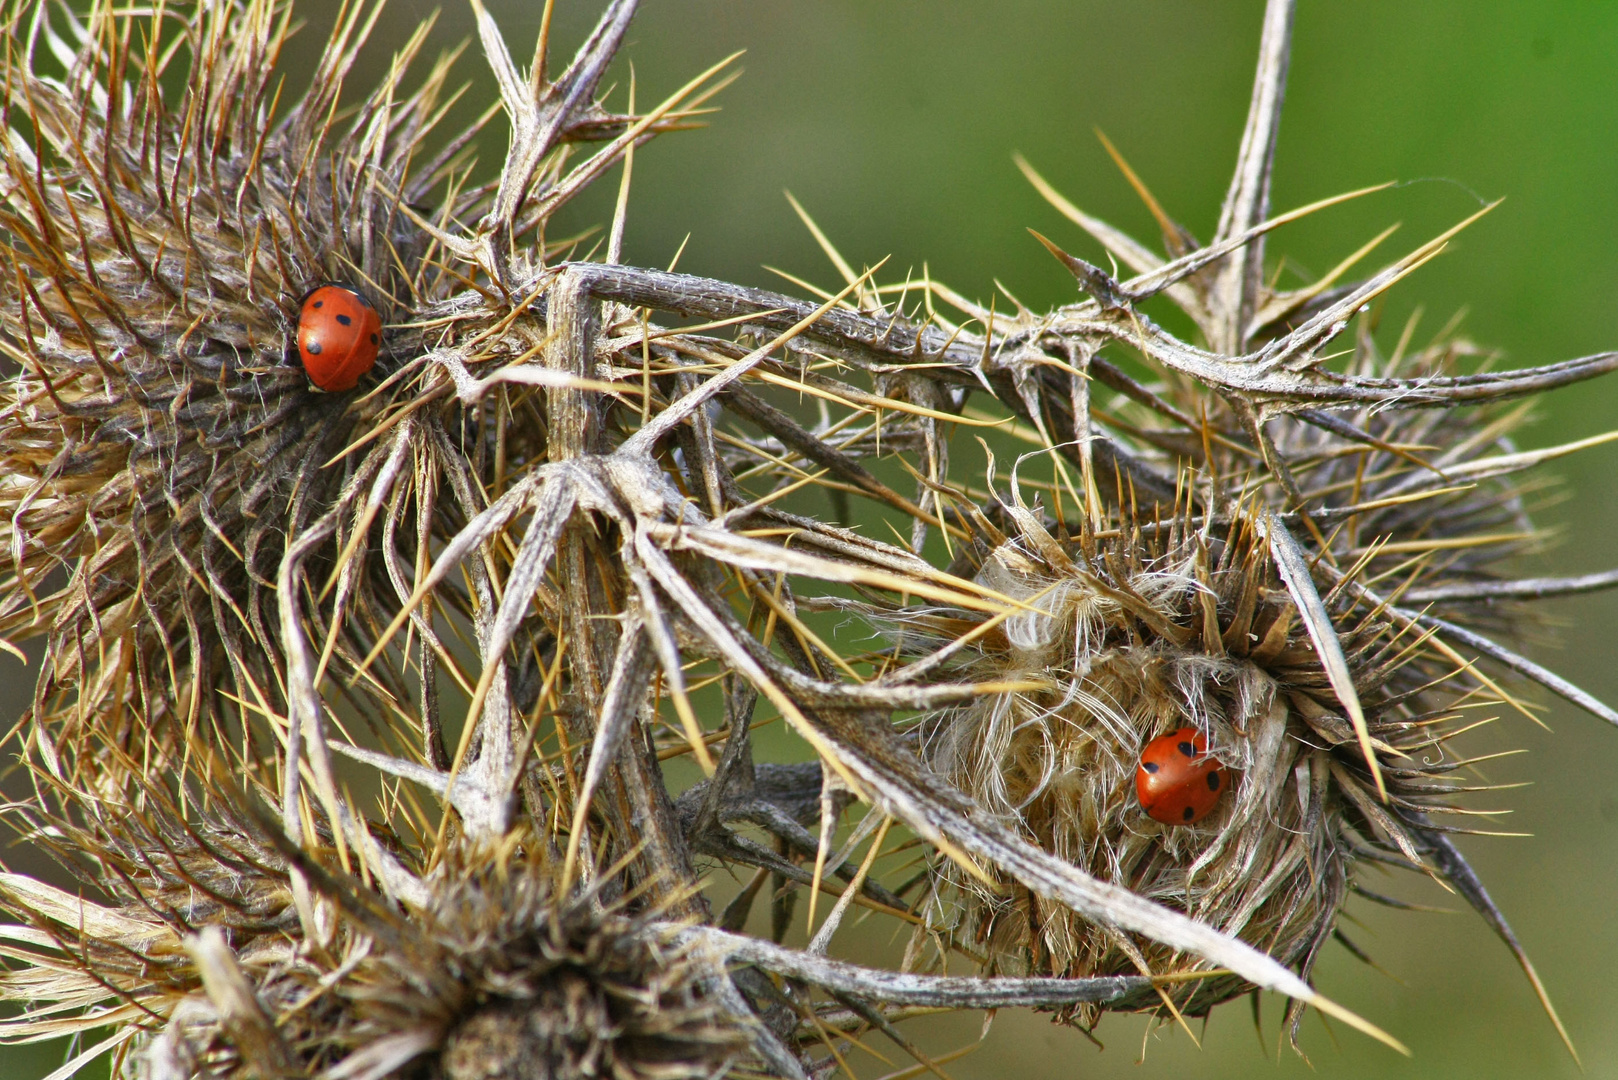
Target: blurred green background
894	122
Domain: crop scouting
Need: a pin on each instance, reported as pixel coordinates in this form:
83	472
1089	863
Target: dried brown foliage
356	707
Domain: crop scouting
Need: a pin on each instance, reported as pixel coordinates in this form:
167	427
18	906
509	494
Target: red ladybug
1177	782
339	331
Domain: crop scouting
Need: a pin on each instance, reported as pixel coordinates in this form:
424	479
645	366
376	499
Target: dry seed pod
1165	627
157	425
161	443
498	973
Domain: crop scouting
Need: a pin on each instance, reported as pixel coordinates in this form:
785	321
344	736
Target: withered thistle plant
354	707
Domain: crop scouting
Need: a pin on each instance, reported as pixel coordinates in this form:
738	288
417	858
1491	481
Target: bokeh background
894	122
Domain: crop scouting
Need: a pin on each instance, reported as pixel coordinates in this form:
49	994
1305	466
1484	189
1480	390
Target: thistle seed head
160	440
500	973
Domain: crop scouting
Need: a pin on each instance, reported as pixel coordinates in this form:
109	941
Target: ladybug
1177	782
339	332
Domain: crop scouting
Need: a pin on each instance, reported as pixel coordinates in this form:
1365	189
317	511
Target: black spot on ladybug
318	303
1149	766
1187	749
1188	813
345	320
1213	781
312	348
373	339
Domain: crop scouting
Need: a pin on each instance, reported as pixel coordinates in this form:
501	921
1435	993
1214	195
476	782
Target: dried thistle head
504	971
1148	620
159	444
553	543
164	450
